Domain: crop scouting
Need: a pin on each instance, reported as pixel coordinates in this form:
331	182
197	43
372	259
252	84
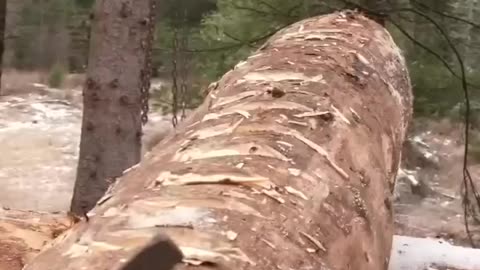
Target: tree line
53	35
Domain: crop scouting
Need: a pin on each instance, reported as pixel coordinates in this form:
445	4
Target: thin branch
292	9
237	39
204	50
467	179
276	10
268	5
412	39
424	6
429	50
231	46
223	48
253	10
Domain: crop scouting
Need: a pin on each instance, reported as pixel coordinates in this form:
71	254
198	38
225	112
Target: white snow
419	140
410	253
53	112
39	85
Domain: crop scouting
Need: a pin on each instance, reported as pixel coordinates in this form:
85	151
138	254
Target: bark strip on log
288	164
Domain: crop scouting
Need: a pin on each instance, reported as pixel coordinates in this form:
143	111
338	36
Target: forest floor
39	137
434	156
40	131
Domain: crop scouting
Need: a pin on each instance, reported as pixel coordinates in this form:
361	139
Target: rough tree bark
111	126
289	163
3	22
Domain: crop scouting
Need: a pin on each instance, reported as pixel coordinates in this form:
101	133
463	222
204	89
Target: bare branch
424	6
231	46
467	179
253	10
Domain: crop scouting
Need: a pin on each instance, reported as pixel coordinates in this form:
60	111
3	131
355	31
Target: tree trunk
111	126
288	164
3	22
79	32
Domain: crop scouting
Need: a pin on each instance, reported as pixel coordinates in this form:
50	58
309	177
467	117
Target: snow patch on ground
410	253
39	138
39	135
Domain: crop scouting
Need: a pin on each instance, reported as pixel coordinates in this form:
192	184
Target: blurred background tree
197	41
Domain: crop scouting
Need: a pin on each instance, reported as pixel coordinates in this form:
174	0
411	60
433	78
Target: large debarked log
289	164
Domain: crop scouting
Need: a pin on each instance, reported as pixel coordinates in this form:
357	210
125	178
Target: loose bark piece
3	22
24	233
240	186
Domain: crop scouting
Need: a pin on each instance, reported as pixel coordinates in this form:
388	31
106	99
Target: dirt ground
435	154
40	130
39	138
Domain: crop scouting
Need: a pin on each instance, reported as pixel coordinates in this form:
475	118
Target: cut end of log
24	233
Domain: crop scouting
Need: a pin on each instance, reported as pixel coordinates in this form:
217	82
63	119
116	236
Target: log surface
289	163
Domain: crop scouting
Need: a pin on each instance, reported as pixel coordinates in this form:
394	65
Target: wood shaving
214	131
355	115
231	235
289	145
303	124
131	168
274	195
268	243
235	194
294	171
312	123
362	59
322	152
193	262
340	114
314	241
311	114
104	199
243	113
296	192
279	129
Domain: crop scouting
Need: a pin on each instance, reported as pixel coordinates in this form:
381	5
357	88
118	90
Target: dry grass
20	82
15	82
